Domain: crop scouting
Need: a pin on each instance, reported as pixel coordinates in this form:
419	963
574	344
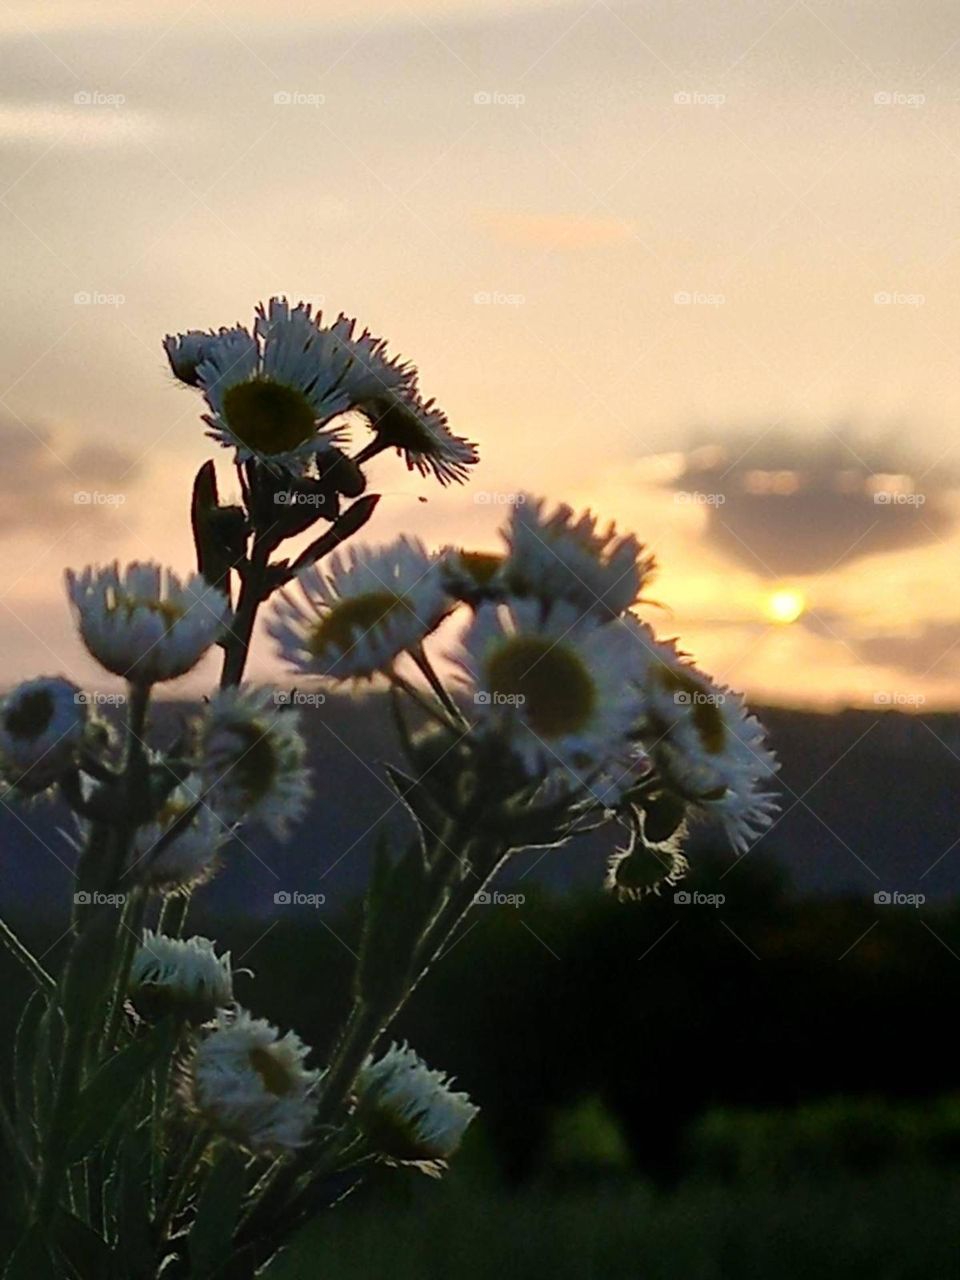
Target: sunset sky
694	265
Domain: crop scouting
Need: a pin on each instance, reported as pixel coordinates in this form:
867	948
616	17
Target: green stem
181	1182
26	958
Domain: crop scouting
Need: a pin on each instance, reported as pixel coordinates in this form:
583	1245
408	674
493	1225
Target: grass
895	1226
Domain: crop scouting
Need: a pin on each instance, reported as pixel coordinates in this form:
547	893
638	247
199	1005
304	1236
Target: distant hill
870	802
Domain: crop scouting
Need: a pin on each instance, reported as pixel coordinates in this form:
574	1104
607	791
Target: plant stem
237	643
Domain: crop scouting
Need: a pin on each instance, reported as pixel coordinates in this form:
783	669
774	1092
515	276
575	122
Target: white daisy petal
708	747
42	723
173	863
185	978
560	556
254	759
408	1112
418	430
562	689
362	611
248	1083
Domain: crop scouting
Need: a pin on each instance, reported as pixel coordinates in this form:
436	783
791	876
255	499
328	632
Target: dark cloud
784	505
49	480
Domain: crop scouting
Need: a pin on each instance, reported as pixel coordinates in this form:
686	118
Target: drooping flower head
563	557
145	623
42	722
181	977
708	748
361	611
419	431
253	759
560	688
249	1084
408	1112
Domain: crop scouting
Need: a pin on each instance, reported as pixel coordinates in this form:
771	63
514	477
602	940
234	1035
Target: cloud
51	481
781	505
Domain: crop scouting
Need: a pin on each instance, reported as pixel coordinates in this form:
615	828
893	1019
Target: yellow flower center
702	704
268	417
557	691
352	618
167	610
275	1073
396	424
255	765
31	715
481	565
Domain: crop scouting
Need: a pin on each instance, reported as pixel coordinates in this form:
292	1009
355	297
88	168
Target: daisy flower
408	1112
253	759
183	977
249	1083
187	351
708	748
144	623
560	688
42	722
418	430
272	394
362	611
180	849
560	556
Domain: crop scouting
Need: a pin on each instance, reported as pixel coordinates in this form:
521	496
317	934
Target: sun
784	605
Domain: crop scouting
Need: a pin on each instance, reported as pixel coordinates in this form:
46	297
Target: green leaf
102	1102
82	1248
218	1208
31	1259
130	1201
